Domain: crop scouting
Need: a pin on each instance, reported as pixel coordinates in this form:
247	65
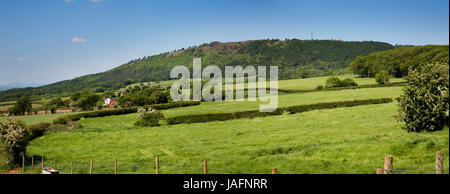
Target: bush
14	135
149	117
334	82
37	130
348	82
382	77
320	87
424	102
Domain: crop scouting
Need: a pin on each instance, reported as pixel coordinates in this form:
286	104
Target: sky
47	41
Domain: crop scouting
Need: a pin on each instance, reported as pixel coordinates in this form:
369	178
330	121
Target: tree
14	136
75	96
424	102
24	105
382	77
88	101
333	82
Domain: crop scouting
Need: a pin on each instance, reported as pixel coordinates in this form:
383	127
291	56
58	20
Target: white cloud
95	1
20	59
78	40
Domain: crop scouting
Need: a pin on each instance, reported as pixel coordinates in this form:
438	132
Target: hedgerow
121	111
201	118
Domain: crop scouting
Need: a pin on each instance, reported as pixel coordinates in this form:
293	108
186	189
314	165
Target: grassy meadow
337	141
344	140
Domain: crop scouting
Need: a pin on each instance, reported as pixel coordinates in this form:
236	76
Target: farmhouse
110	102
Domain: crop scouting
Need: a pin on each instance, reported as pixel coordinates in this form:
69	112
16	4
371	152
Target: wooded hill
295	59
398	61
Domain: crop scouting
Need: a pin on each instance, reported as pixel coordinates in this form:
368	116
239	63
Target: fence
437	168
115	166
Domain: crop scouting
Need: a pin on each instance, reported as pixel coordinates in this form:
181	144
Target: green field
345	140
33	119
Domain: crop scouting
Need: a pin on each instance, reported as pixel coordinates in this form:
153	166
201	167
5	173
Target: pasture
344	140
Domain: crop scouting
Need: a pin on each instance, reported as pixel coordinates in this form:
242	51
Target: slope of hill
398	61
295	59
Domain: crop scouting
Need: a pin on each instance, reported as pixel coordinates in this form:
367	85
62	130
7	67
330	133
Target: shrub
37	130
349	82
424	102
14	136
320	87
149	117
382	77
333	82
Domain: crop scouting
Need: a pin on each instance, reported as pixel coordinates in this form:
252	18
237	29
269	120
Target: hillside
295	59
398	61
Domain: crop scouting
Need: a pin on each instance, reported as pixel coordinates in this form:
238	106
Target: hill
398	61
295	59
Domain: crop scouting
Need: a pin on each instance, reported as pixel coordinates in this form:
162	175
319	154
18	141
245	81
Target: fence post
90	167
54	164
157	165
32	162
205	167
71	167
274	170
388	164
42	162
439	163
115	165
23	163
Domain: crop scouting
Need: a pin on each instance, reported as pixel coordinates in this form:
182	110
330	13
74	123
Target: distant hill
18	85
398	61
295	59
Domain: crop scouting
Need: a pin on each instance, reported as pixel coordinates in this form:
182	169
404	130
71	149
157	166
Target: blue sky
51	40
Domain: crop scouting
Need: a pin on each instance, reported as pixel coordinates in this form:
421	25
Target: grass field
345	140
33	119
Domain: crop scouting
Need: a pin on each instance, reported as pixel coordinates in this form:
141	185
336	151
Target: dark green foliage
424	102
22	106
141	96
201	118
319	88
397	61
37	130
295	59
121	111
382	77
88	101
335	82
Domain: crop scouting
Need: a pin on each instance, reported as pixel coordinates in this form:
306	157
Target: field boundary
203	118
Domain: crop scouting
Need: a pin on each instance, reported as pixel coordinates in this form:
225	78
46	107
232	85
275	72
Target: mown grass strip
202	118
121	111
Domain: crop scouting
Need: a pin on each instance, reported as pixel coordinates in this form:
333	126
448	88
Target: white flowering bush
14	136
149	117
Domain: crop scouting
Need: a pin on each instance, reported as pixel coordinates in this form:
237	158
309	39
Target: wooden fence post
205	167
274	170
379	171
439	163
388	164
42	162
115	165
90	167
71	167
157	165
23	163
